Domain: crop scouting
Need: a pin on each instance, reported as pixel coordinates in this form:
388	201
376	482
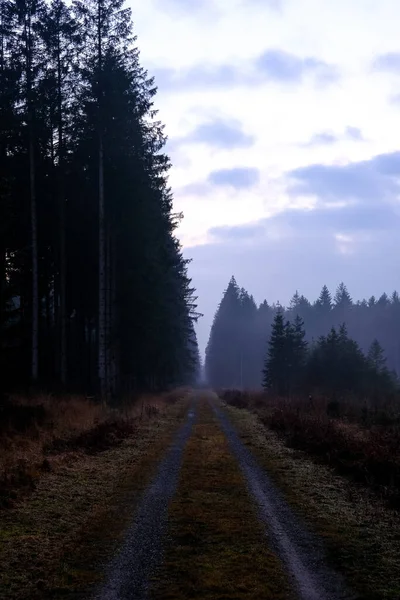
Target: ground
201	501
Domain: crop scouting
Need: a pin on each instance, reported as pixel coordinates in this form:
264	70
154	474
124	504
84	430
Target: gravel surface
300	550
129	573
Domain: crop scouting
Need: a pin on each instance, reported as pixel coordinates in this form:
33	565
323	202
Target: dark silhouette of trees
94	290
278	356
332	344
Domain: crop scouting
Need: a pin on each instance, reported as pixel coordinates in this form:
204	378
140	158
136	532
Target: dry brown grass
36	433
54	542
217	546
360	532
330	432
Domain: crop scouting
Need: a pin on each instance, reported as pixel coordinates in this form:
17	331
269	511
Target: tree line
326	330
333	364
94	289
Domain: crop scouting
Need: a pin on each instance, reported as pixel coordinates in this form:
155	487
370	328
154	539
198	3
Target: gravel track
300	550
129	573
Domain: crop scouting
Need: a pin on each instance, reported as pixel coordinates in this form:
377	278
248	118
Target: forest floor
202	501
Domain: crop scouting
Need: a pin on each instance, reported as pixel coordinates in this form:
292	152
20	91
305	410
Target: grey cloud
302	223
238	177
199	188
389	62
278	65
327	138
220	133
354	133
273	65
370	180
197	77
322	139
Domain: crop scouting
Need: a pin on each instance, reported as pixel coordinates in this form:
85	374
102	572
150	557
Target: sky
283	125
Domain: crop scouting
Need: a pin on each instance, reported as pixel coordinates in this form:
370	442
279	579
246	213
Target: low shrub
334	431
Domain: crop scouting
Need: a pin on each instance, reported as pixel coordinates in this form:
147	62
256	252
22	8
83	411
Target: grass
217	547
359	441
360	532
36	434
55	541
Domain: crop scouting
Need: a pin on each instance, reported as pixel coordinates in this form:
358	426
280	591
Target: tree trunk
33	214
35	270
114	345
102	227
102	277
108	312
62	226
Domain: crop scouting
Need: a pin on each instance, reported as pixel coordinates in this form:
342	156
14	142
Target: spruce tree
299	351
224	353
276	362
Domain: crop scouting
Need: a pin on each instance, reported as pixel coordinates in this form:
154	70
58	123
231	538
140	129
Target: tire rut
301	551
128	575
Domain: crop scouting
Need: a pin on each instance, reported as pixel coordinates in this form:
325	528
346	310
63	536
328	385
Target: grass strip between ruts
216	546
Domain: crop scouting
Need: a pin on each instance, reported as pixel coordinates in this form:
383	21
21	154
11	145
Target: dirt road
213	525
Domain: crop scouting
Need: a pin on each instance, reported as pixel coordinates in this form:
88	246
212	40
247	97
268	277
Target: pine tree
342	297
224	352
324	302
276	362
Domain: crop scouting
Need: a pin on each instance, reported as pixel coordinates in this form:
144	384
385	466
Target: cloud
239	232
370	180
278	65
305	223
389	63
238	177
197	77
354	133
198	188
272	4
183	6
327	138
395	99
188	6
274	65
219	133
322	139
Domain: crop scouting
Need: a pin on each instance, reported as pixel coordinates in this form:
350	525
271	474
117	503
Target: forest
94	291
333	344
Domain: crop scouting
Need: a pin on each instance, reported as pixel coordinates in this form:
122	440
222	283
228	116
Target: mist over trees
286	348
94	290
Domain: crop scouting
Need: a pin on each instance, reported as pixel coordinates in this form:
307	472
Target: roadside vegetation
71	473
358	439
307	446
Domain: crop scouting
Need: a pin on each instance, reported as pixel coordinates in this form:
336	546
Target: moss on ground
361	533
55	543
217	547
